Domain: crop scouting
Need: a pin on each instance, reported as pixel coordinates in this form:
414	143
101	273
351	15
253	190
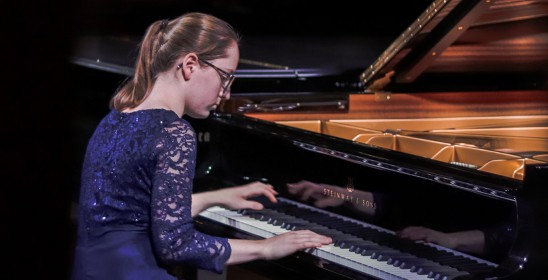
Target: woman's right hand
288	243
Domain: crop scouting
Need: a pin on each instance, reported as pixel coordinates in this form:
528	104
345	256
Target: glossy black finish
417	192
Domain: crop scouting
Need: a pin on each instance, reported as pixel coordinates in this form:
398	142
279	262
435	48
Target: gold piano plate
487	144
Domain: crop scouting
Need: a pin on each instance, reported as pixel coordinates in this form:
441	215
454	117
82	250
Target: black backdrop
46	120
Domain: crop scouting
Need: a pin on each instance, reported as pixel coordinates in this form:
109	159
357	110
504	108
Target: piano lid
467	44
116	54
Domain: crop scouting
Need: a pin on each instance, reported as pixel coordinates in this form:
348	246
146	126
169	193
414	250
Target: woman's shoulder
163	123
147	121
158	116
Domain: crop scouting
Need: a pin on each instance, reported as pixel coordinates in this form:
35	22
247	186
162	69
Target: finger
271	189
255	205
310	234
316	239
310	244
259	187
269	193
271	197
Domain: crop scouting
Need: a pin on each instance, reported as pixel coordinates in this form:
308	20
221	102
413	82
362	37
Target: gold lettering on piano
354	199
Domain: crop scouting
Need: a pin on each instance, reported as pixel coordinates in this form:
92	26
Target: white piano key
367	225
344	257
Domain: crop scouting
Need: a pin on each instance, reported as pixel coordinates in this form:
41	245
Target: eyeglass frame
222	74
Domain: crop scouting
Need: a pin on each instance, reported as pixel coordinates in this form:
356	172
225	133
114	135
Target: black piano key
424	269
440	271
354	247
346	241
474	267
451	275
277	222
451	259
422	266
349	235
407	264
399	259
384	255
368	250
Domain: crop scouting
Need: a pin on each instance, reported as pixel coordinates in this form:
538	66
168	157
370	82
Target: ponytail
136	90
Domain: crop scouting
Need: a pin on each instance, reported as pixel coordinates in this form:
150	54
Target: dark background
48	113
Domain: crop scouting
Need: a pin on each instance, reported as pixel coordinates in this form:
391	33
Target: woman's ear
189	65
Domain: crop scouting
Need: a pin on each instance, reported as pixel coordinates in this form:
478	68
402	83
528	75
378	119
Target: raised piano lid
488	44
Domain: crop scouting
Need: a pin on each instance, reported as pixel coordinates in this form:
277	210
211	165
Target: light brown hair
167	40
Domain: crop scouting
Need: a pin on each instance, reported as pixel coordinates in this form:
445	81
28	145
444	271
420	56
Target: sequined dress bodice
138	173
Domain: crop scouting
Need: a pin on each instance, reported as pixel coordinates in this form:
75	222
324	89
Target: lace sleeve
174	236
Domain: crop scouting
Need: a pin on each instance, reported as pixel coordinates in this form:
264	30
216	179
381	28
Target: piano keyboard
357	245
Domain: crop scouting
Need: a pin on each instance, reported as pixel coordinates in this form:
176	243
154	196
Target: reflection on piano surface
358	245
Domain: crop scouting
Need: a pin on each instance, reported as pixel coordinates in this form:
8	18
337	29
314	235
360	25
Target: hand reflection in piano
470	241
483	242
325	195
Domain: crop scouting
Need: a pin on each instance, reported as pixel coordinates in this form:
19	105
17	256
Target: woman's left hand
237	197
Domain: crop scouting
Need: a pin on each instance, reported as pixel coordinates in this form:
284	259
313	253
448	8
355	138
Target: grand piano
446	131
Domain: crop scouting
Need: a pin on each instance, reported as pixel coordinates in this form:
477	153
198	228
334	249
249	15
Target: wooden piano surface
495	132
427	105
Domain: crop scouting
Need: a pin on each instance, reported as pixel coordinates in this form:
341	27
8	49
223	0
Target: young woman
136	204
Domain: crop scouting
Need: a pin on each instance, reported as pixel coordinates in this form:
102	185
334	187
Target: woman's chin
199	115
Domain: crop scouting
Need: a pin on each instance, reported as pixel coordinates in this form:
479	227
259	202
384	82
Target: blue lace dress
135	201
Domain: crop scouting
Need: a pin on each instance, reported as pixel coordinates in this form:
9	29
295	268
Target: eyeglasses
226	78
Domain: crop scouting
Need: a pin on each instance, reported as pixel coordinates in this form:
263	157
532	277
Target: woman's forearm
202	201
244	251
